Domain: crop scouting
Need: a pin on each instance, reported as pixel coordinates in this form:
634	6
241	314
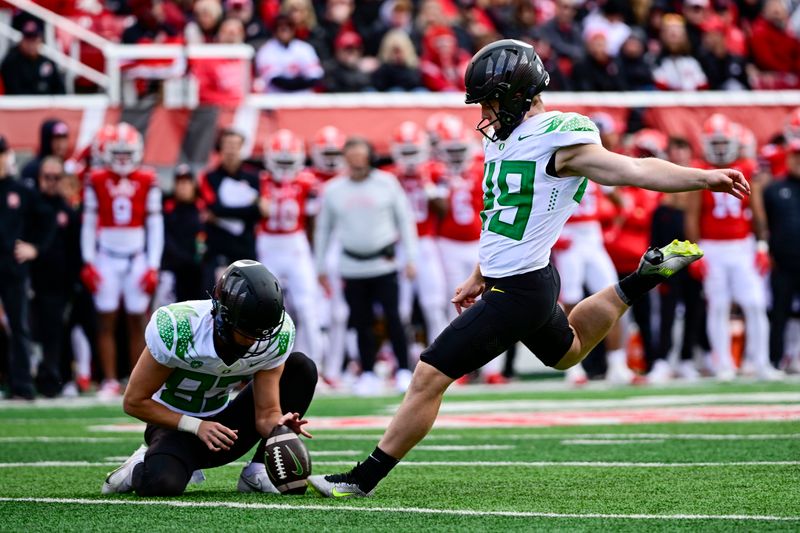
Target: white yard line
460	448
601	442
334	507
524	464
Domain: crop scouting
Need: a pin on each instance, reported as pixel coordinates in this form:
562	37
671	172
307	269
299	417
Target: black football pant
14	297
785	281
48	309
173	455
361	295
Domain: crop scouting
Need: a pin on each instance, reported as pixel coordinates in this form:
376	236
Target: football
287	461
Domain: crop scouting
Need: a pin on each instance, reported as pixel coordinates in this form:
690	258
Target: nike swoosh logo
495	289
298	467
523	137
336	494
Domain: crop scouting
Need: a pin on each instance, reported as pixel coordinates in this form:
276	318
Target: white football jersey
524	207
180	336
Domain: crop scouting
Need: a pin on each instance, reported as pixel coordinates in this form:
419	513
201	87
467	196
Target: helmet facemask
225	327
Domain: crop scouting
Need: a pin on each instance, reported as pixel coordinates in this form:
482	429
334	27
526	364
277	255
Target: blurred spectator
696	13
306	27
563	32
598	71
25	71
207	18
394	15
775	52
184	240
26	227
636	68
285	63
230	193
676	70
255	33
443	64
53	141
221	82
399	69
725	71
559	79
336	19
151	24
348	71
523	18
610	20
369	211
782	207
54	273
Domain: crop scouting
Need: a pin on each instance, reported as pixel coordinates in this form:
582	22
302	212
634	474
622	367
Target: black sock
376	467
634	286
261	449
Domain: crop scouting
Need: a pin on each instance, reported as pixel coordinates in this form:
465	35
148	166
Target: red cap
347	39
713	23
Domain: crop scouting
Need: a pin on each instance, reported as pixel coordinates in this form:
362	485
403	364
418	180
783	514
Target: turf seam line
409	510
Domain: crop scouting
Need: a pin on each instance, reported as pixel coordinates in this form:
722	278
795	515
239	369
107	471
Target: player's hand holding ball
286	457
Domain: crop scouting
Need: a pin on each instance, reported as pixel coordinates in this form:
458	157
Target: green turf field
690	473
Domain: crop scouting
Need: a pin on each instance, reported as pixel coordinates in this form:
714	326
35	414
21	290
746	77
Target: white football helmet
284	155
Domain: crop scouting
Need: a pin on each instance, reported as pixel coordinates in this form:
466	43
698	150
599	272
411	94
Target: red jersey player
281	241
733	265
122	239
420	177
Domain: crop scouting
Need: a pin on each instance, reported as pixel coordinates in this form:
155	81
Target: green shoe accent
668	260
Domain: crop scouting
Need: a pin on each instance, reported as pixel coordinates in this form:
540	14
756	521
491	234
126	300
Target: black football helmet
510	72
247	300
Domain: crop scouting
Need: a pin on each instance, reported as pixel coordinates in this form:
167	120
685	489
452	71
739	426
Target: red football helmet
327	150
721	140
455	143
433	124
410	146
284	155
98	146
650	143
123	149
791	129
748	146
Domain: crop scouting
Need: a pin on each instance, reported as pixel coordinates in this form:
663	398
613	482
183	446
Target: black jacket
222	235
589	75
393	77
23	216
59	264
23	75
30	172
782	205
341	78
727	73
182	229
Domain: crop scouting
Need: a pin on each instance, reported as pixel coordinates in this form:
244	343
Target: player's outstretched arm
608	168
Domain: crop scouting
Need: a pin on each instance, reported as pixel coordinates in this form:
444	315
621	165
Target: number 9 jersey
525	205
181	336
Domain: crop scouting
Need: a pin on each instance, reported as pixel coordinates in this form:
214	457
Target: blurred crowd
369	247
425	45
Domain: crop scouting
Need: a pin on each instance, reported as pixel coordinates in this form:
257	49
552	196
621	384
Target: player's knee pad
301	366
161	475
